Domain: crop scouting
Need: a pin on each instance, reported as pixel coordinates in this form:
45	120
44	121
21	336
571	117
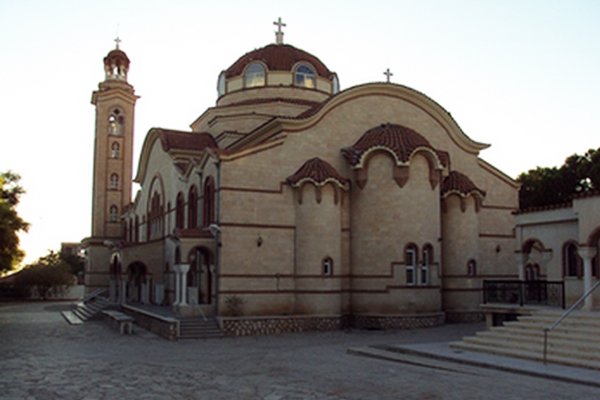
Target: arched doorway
200	276
137	290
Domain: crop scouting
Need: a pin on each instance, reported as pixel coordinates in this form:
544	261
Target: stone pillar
587	253
184	268
177	270
123	292
112	290
521	259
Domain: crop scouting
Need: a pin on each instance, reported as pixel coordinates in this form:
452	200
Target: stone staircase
575	341
198	328
92	309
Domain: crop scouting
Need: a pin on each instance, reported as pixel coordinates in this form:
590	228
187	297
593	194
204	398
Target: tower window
113	213
427	260
114	181
254	76
115	123
114	150
305	77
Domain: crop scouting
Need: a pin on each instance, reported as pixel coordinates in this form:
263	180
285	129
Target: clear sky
521	75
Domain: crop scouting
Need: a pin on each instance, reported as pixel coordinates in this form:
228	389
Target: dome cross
117	41
279	33
387	73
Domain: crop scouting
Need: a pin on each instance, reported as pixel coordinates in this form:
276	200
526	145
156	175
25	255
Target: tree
10	222
49	276
75	262
547	186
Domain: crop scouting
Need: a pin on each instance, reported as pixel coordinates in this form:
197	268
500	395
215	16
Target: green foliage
10	222
49	276
547	186
76	262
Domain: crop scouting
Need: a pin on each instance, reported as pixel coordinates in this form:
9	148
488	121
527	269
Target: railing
540	293
565	315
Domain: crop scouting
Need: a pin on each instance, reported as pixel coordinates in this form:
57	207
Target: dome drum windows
304	76
254	76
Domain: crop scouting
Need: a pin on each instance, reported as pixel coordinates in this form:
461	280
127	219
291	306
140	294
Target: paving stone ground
42	357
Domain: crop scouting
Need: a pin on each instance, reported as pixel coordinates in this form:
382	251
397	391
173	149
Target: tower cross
387	73
117	41
279	33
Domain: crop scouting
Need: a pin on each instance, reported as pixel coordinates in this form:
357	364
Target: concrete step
539	327
531	355
198	328
567	340
537	346
572	336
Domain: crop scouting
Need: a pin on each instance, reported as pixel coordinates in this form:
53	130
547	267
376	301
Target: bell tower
113	146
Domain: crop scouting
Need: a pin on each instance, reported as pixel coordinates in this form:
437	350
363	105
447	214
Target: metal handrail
565	315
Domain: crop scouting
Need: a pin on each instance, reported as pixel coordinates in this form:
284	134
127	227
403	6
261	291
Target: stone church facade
295	205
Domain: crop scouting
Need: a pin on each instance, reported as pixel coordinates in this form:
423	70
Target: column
184	270
177	269
587	253
521	259
123	292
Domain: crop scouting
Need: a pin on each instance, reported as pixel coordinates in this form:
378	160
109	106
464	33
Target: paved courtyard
42	357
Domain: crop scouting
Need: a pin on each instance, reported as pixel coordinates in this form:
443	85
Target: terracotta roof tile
171	139
318	172
278	58
274	100
457	182
402	141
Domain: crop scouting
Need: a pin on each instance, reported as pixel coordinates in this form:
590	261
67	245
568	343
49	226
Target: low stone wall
411	321
162	326
464	317
247	326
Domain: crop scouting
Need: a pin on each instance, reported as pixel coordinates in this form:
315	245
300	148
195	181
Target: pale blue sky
521	75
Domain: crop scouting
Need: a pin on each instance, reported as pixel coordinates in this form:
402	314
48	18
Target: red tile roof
280	57
171	139
402	141
319	172
457	182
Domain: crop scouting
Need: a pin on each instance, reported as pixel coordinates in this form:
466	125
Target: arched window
335	85
472	268
427	260
327	266
221	85
410	260
180	211
193	207
572	262
114	150
209	202
254	76
305	76
114	181
113	213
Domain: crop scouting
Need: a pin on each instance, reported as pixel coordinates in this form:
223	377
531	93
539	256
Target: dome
116	57
116	65
277	69
278	57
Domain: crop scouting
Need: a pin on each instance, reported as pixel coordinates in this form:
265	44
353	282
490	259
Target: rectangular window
424	274
411	256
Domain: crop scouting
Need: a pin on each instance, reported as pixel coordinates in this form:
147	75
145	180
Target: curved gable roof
172	141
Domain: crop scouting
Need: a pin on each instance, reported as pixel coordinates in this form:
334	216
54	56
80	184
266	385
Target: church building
293	204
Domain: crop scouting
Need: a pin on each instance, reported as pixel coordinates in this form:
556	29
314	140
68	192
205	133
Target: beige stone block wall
385	219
